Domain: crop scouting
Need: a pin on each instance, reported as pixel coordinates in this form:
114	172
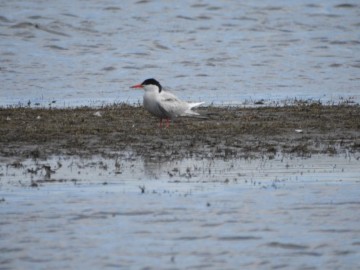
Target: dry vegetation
229	132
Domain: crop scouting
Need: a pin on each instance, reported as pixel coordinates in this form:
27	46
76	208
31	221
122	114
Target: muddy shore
228	132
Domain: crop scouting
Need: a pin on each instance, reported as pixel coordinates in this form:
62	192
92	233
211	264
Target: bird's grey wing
163	111
171	106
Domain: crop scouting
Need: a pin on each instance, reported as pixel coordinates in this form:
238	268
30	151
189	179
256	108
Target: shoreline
228	132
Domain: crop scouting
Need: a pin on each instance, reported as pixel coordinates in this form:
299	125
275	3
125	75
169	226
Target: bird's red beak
137	86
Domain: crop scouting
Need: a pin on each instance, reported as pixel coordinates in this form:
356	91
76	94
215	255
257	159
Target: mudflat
227	132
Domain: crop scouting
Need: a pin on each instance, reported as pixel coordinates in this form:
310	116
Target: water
287	212
132	213
90	52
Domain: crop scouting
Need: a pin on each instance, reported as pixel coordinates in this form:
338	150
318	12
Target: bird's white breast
150	102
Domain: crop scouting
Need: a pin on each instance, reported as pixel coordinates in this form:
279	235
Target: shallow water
286	212
131	213
90	52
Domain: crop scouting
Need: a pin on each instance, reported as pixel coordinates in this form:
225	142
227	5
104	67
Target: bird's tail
189	112
195	104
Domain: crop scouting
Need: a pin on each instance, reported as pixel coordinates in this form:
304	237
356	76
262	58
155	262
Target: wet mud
224	191
227	132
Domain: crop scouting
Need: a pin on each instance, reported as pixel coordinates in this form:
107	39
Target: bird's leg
167	122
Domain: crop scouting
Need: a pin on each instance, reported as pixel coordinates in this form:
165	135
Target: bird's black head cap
152	81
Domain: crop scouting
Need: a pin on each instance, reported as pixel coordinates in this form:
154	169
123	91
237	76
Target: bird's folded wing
171	106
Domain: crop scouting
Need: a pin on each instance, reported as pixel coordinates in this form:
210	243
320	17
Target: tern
164	105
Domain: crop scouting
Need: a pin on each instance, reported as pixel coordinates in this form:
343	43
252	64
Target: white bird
164	105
